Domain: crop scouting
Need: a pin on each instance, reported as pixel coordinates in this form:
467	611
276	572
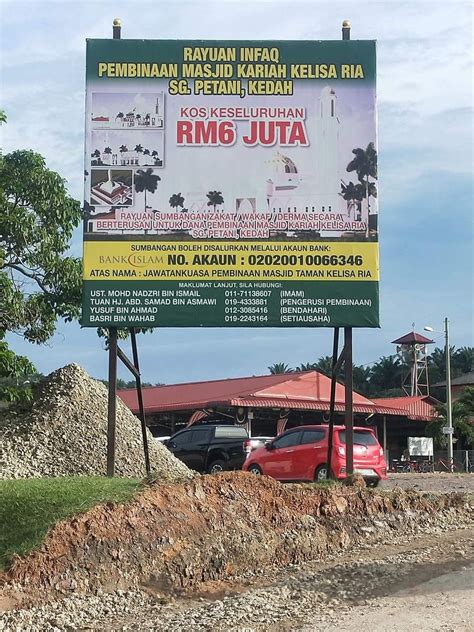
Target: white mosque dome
284	164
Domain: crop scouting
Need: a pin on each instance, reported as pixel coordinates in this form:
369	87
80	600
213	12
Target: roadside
431	482
315	596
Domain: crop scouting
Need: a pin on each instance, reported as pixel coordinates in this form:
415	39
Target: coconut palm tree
123	148
279	367
308	366
146	180
352	193
120	116
463	360
365	165
146	152
138	149
215	198
386	375
108	150
177	201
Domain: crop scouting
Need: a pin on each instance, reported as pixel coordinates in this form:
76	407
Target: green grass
29	507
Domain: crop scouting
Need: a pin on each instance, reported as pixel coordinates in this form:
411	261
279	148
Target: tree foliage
384	377
462	413
39	282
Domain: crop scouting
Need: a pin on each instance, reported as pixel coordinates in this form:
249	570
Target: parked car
300	454
252	443
210	448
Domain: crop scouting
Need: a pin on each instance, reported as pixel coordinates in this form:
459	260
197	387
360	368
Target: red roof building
305	391
276	400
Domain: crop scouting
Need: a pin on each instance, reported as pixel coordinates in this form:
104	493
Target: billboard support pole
349	413
138	381
334	370
112	402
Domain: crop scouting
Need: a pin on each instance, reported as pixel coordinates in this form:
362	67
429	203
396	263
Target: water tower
411	350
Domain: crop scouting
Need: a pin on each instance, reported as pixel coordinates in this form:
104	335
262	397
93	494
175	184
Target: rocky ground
369	587
65	434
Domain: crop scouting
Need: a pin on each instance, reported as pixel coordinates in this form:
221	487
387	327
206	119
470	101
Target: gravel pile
65	434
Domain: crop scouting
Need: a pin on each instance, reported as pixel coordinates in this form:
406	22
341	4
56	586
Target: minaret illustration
328	182
316	190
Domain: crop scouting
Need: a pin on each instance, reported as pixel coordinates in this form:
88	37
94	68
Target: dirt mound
65	434
176	537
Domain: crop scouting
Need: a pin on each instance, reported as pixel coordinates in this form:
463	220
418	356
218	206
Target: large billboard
230	184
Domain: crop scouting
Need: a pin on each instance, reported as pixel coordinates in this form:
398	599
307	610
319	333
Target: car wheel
321	473
255	469
216	467
373	482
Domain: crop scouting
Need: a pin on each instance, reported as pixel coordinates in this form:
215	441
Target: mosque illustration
287	190
131	119
112	192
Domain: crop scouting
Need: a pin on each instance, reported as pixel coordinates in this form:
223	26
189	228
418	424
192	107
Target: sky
425	127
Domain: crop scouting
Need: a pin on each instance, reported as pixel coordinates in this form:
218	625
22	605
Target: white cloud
425	96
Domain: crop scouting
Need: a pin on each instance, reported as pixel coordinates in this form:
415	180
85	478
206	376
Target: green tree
16	376
462	413
138	149
306	366
353	193
146	180
177	201
364	164
39	283
463	360
119	116
214	198
123	149
280	367
386	375
108	150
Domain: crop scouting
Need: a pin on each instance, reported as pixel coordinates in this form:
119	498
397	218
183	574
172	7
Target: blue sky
425	117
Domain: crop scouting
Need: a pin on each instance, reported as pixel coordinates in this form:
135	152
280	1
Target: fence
463	461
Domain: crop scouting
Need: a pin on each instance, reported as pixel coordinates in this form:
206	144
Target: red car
300	454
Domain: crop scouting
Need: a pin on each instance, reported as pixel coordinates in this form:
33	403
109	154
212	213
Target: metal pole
449	411
112	402
346	30
141	407
349	414
117	28
335	351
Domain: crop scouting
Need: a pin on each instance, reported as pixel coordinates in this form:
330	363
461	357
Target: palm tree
279	367
352	193
146	152
386	375
108	150
463	360
123	148
215	198
145	180
324	365
176	201
308	366
365	165
138	149
120	116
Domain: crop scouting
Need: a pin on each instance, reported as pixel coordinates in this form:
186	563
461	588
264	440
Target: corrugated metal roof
418	408
412	338
309	390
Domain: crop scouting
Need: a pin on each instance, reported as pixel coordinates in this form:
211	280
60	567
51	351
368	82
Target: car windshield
360	437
